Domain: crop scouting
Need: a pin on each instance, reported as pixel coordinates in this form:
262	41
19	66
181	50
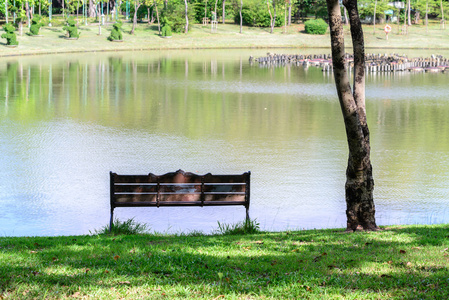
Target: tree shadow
294	264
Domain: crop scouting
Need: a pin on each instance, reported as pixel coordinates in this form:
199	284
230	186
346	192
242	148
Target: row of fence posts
373	62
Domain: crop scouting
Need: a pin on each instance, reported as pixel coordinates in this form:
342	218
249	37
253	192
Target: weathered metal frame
152	181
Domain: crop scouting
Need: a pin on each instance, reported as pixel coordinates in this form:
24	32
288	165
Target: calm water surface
67	120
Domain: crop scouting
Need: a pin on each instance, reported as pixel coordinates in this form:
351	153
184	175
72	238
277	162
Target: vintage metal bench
179	189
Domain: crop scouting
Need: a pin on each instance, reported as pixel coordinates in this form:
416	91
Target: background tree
92	8
155	5
137	5
374	17
271	16
175	12
373	8
240	13
5	12
258	13
443	6
359	186
186	16
223	13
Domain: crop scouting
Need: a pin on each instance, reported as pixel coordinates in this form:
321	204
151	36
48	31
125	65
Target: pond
67	120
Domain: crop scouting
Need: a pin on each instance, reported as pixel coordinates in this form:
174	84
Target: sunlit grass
199	37
409	262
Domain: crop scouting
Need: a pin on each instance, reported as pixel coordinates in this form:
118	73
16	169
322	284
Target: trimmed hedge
318	26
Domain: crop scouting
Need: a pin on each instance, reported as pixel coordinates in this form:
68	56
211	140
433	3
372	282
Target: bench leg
111	220
247	215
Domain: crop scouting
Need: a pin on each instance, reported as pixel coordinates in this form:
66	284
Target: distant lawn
407	262
146	37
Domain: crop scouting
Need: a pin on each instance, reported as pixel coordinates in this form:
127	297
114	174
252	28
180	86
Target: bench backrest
179	189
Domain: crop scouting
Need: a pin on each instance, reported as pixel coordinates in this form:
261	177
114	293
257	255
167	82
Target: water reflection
66	122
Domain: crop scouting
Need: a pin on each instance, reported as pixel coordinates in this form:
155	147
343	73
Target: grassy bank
409	262
227	36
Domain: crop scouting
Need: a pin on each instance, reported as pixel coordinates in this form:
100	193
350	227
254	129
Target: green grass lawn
227	36
409	262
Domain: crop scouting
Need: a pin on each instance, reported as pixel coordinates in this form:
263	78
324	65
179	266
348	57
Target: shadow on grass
405	263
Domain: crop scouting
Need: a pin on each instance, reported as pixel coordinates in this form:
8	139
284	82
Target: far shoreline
228	37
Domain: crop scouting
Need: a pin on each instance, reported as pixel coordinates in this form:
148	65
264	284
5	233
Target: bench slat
179	189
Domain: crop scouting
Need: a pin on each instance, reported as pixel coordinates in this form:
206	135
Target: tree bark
374	19
289	12
224	13
346	16
360	210
136	7
215	10
92	9
187	17
157	16
205	13
409	13
427	9
240	12
271	16
442	14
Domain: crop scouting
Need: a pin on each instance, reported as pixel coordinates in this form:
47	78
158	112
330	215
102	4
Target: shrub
166	30
318	26
128	227
36	24
71	28
175	12
245	227
166	26
116	33
256	14
10	36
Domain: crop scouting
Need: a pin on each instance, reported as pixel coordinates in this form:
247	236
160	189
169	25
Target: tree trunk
274	16
205	13
289	12
28	13
346	16
271	16
157	16
374	19
187	17
92	9
215	10
427	9
136	7
240	12
6	11
360	210
223	14
442	14
409	13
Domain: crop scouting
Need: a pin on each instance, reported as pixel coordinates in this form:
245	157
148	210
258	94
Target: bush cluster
318	26
166	27
71	28
257	15
36	24
10	36
116	33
